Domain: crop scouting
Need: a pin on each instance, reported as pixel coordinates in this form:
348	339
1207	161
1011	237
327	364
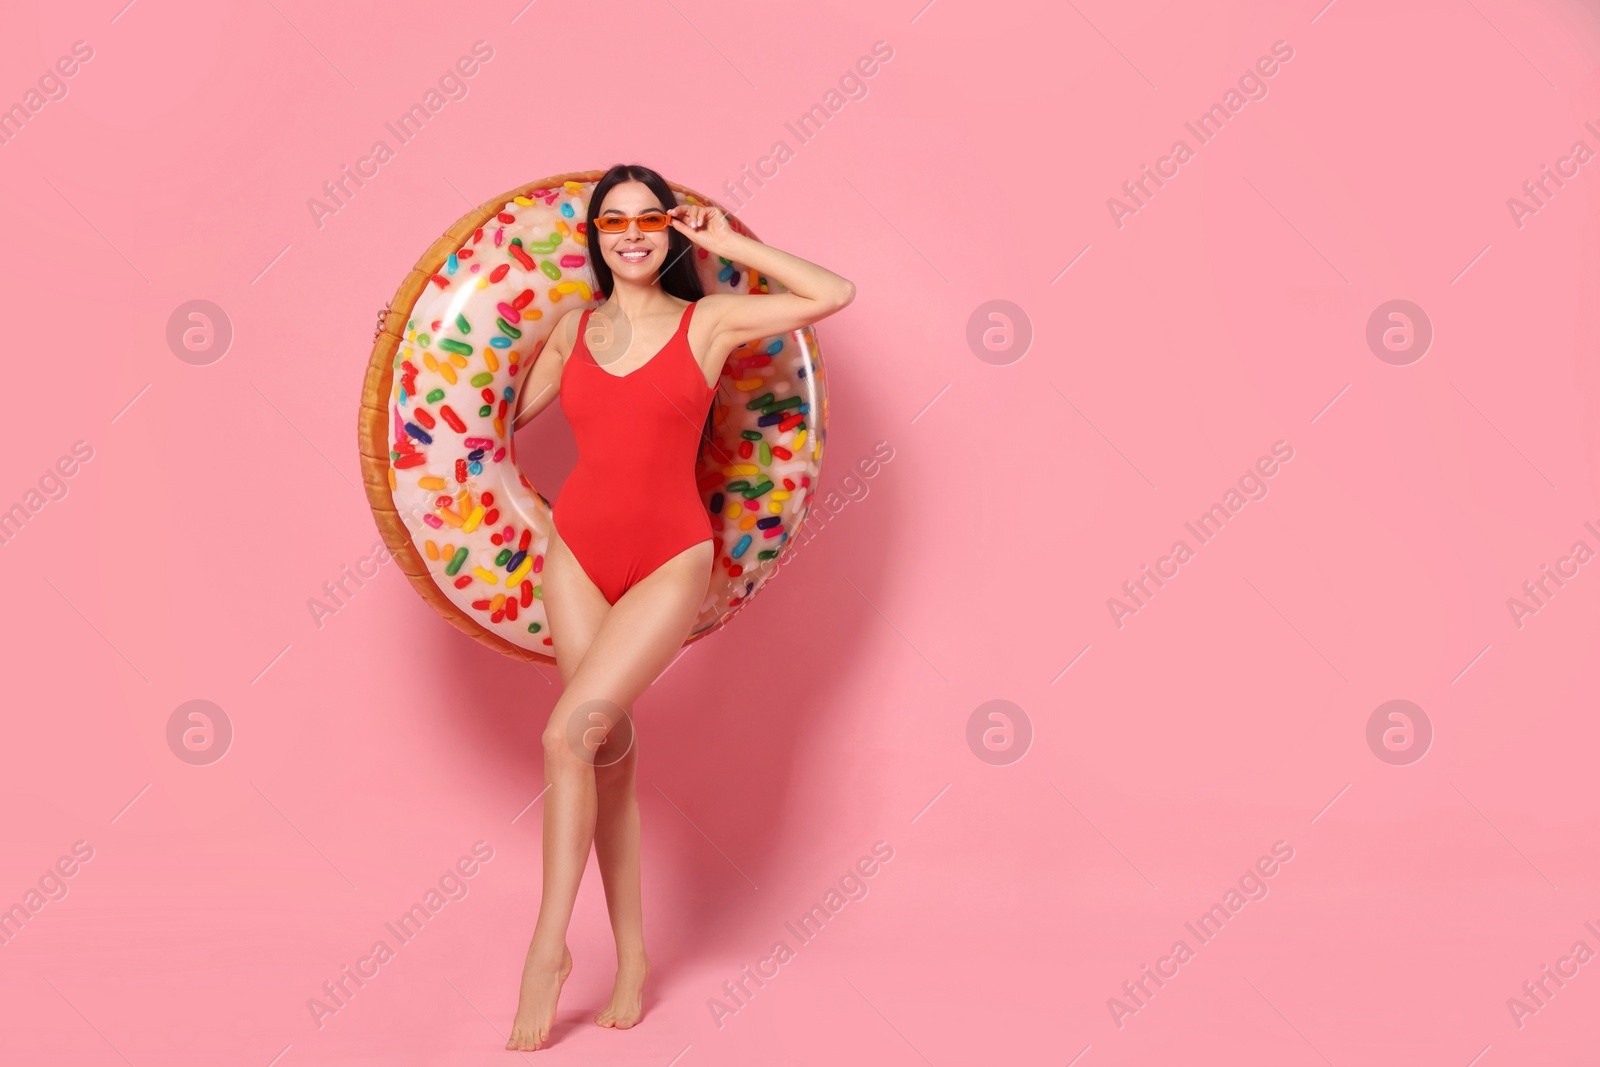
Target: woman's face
633	253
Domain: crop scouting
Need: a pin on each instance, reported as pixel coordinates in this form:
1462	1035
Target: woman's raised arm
813	292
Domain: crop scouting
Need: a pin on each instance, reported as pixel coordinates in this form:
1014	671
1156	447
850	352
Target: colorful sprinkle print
482	528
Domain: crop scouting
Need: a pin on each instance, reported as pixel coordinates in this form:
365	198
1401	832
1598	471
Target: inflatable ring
437	451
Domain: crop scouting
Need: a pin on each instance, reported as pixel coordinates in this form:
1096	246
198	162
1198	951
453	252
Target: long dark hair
679	277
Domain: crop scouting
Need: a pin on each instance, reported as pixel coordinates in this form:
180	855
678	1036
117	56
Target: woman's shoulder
564	336
707	308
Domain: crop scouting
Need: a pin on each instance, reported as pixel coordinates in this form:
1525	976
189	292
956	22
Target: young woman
630	560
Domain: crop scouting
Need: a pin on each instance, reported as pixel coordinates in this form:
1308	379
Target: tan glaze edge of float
372	429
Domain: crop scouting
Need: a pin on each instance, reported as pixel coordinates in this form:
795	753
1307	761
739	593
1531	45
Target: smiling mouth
635	255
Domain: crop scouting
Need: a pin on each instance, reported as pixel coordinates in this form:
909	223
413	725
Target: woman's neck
637	301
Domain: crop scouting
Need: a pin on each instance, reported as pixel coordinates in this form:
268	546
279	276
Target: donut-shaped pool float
437	450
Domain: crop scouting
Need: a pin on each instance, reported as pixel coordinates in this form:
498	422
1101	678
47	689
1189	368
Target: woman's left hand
704	225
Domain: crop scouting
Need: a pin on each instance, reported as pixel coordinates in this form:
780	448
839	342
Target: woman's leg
616	846
635	642
575	609
616	827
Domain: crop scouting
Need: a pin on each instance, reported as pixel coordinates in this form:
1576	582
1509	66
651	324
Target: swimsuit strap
699	371
583	325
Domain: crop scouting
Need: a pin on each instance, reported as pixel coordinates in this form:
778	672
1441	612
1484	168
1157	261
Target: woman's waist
640	479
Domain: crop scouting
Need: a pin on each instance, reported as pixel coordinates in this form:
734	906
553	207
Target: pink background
1166	756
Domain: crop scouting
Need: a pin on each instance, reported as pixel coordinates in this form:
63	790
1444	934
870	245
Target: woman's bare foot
536	1004
627	994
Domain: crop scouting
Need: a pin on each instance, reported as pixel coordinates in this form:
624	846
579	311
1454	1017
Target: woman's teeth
634	255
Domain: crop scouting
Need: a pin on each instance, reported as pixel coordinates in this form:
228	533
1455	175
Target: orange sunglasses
650	221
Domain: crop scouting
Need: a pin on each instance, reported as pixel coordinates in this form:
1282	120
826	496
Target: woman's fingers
693	216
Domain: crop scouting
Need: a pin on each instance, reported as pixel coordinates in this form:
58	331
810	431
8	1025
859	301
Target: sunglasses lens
651	220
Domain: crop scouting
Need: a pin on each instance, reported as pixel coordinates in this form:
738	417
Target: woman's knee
579	732
560	753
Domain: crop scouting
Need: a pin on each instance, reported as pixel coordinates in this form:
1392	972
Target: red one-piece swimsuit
631	503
